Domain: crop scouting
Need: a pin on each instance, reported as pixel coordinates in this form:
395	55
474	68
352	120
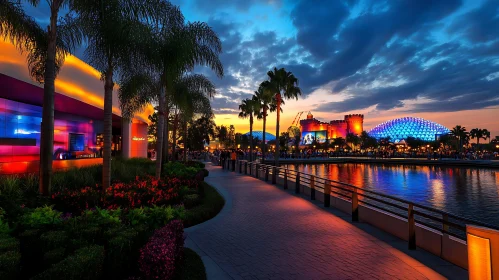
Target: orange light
483	251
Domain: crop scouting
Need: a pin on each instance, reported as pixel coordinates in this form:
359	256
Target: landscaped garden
132	230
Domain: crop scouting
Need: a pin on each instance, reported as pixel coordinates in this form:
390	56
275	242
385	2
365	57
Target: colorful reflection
467	192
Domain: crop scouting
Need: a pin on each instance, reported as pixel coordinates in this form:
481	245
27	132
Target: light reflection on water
467	192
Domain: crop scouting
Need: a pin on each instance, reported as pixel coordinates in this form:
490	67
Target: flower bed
87	233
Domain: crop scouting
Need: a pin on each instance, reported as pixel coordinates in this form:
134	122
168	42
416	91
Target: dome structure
400	129
259	134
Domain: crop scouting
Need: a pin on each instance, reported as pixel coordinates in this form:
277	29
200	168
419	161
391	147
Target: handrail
319	183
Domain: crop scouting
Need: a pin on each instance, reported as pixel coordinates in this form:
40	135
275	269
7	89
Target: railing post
297	186
240	167
412	227
257	171
274	175
312	187
355	206
266	173
250	169
285	179
245	167
327	194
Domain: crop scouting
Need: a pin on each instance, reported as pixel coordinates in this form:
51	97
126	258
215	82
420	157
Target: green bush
54	256
41	216
53	239
122	254
9	265
154	217
9	244
85	263
177	169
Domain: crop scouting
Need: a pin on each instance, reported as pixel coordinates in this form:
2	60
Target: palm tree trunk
47	126
263	136
108	127
174	133
166	140
278	109
160	132
251	137
185	141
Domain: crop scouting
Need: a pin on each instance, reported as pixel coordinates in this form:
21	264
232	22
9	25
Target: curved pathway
264	232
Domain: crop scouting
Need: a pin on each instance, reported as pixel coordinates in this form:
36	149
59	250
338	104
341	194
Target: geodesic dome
259	134
400	129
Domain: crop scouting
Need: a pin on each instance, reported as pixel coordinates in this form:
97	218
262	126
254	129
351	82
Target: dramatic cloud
417	56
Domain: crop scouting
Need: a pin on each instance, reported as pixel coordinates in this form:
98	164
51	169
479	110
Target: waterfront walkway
265	232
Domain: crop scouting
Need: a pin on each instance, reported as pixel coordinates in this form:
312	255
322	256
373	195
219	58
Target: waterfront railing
350	198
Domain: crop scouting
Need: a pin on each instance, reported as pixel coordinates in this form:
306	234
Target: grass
193	268
210	206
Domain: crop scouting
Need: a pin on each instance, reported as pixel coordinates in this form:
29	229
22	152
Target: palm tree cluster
279	86
145	46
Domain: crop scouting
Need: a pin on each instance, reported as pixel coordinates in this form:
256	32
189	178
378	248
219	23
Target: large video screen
320	136
308	137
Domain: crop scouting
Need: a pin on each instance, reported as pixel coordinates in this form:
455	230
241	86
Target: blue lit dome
400	129
259	134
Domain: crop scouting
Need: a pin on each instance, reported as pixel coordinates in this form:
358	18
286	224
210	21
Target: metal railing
414	213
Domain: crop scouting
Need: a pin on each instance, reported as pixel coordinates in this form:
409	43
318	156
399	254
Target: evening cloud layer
423	56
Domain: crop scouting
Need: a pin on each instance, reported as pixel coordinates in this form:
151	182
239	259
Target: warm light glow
479	263
138	138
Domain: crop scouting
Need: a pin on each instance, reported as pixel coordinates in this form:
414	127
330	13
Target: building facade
322	132
78	114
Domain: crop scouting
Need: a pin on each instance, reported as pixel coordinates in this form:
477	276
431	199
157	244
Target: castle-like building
314	129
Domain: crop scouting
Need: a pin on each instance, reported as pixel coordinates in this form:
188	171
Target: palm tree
340	142
282	84
249	108
46	51
486	134
115	37
461	134
353	140
267	103
191	96
477	133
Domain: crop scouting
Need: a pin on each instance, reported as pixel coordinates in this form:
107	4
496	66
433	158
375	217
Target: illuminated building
78	125
400	129
322	132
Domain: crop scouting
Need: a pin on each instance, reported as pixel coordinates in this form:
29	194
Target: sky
437	60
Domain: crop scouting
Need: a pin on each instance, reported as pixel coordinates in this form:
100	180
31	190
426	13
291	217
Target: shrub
85	263
122	254
177	169
156	216
206	172
163	253
53	239
9	244
54	256
41	216
9	265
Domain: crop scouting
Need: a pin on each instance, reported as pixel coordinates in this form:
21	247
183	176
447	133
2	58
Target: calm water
467	192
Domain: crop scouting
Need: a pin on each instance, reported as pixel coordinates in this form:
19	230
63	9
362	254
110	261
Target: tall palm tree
477	133
249	108
461	134
353	140
267	103
486	134
115	36
191	96
283	85
46	51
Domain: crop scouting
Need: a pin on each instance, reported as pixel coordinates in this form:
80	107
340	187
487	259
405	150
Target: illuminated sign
135	138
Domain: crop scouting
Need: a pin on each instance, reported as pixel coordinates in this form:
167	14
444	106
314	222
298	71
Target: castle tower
310	116
355	123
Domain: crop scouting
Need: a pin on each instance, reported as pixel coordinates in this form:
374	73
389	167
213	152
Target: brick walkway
264	232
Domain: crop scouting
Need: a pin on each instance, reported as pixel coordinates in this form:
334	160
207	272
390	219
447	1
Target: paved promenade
265	232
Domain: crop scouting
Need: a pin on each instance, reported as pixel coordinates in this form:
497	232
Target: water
468	192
